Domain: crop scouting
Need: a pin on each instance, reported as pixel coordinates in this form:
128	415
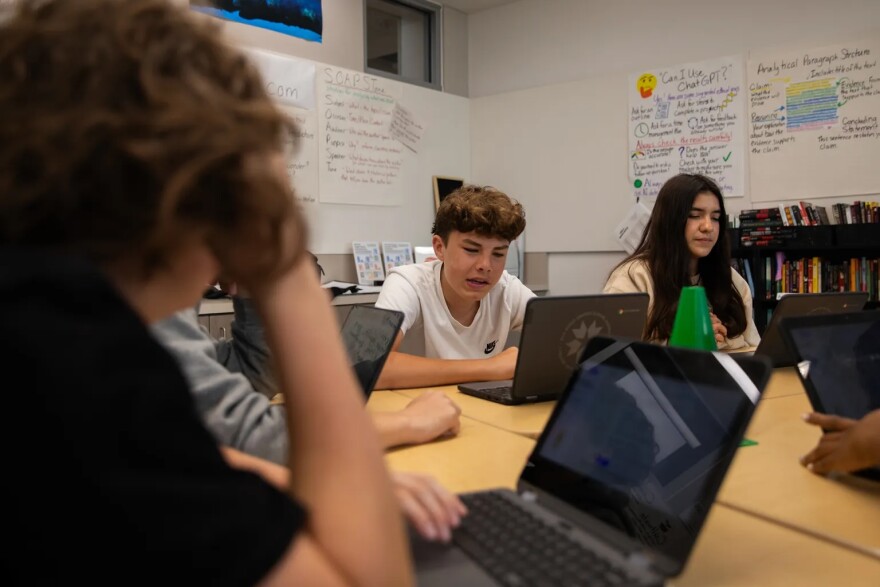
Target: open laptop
368	334
839	363
620	481
555	331
772	344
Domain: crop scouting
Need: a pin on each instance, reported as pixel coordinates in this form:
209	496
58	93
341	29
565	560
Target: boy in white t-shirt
465	302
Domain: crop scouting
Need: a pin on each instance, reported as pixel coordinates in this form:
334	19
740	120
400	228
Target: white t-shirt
415	290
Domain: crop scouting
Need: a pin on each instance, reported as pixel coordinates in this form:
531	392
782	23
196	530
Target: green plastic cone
693	327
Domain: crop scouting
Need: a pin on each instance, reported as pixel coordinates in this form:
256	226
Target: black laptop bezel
538	469
772	343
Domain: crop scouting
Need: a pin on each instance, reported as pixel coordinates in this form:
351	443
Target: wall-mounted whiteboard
367	149
814	118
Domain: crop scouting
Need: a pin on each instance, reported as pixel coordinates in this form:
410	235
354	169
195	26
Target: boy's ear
439	247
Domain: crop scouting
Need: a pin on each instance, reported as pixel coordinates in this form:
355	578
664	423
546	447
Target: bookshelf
829	257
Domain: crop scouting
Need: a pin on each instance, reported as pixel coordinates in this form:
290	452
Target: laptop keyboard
518	548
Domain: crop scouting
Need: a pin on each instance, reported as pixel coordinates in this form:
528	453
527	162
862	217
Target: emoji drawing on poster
646	84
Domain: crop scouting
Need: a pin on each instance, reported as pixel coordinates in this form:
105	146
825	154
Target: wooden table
736	548
784	382
767	480
480	457
526	419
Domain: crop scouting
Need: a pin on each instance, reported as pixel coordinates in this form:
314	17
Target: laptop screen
368	334
840	361
643	437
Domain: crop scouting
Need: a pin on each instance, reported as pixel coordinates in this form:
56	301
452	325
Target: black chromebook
555	331
839	363
772	344
621	480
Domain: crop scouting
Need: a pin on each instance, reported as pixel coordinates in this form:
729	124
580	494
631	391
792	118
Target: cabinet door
205	320
221	326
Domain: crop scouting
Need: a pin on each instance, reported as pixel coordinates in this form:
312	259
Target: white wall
540	42
455	52
519	52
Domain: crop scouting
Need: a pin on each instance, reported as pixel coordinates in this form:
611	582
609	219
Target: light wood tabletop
479	457
784	382
738	546
768	480
735	549
525	419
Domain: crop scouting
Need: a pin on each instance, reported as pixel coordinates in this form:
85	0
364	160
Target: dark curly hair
484	210
130	126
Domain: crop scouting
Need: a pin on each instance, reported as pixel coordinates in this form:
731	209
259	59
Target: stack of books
858	212
763	227
804	214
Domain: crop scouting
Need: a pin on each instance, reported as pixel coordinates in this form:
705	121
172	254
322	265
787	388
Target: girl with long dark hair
685	243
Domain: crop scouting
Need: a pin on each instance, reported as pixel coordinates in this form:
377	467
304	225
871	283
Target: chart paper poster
813	121
360	161
288	80
687	119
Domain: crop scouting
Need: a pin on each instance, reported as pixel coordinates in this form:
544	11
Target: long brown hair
664	249
129	126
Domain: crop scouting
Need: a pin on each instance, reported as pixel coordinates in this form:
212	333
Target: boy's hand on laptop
430	508
432	415
846	444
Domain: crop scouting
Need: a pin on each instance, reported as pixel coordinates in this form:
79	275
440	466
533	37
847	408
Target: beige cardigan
634	277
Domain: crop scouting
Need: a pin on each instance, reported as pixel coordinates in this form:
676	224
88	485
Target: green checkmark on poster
747	442
726	157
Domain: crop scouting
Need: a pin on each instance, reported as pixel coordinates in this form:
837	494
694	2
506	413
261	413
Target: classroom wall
455	52
343	41
338	211
567	161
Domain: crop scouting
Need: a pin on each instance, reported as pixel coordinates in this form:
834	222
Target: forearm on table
403	370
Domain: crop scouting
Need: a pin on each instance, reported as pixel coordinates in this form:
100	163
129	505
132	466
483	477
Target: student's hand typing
718	328
846	445
430	508
432	415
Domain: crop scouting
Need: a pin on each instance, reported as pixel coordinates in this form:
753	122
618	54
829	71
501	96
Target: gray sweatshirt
231	381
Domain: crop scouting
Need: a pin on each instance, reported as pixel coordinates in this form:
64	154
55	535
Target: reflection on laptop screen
844	362
368	334
644	440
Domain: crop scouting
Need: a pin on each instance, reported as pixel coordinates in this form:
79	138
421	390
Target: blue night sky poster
298	18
